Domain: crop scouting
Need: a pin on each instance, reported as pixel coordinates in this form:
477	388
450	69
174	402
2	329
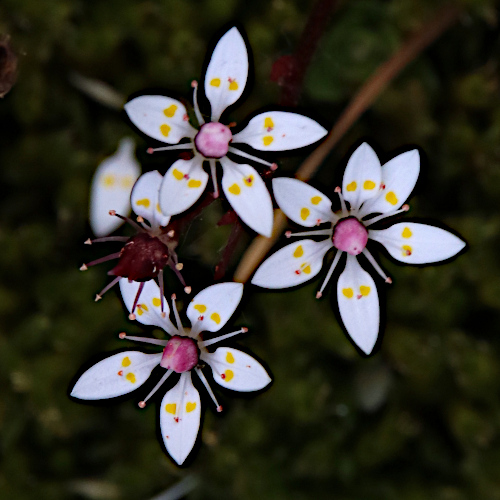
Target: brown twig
368	93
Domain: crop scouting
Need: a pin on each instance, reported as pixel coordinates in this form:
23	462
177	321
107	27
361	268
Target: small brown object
8	65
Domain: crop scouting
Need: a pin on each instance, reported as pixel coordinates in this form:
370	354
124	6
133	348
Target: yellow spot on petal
141	308
233	85
200	308
228	375
165	129
304	213
130	377
178	174
407	250
315	200
368	185
190	407
158	207
248	180
127	182
307	269
144	306
108	180
171	408
215	317
194	183
145	202
299	252
126	361
234	189
391	198
348	292
406	232
268	122
215	82
229	358
170	111
352	186
267	139
156	302
364	290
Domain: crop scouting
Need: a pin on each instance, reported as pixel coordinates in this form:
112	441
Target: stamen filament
195	330
319	232
205	343
272	166
375	265
137	295
103	259
106	288
184	145
177	317
369	222
144	340
329	274
345	213
213	173
160	282
129	220
209	390
106	239
197	112
142	403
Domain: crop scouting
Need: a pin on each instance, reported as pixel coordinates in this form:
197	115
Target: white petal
227	72
182	185
362	176
148	309
358	304
414	243
248	195
180	418
236	370
111	186
302	203
215	305
399	177
145	199
292	265
280	131
117	375
162	118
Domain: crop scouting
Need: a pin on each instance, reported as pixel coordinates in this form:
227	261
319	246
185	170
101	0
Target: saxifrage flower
186	351
166	120
370	189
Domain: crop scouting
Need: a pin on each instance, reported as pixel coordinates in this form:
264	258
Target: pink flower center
213	139
350	236
180	354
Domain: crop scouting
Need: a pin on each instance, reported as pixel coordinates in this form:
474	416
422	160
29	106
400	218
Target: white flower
111	186
369	188
166	120
186	351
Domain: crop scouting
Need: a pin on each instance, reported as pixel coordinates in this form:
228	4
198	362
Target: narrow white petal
399	177
162	118
362	176
182	185
236	370
111	186
117	375
358	304
292	265
414	243
148	309
145	199
302	203
215	304
280	131
248	195
180	418
227	72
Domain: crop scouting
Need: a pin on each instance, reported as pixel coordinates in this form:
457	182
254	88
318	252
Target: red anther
185	117
112	212
179	266
388	280
194	84
232	124
187	289
97	297
215	195
88	241
132	317
141	404
150	151
173	296
288	234
83	267
171	233
122	335
405	207
163	314
318	222
140	218
244	329
219	409
319	295
338	189
274	167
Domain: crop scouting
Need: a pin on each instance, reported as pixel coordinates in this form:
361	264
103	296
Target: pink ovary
213	139
350	236
180	354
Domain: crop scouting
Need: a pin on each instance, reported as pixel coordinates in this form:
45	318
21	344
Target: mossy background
420	419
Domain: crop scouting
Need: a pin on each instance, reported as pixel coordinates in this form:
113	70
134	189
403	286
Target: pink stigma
213	139
180	354
350	236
